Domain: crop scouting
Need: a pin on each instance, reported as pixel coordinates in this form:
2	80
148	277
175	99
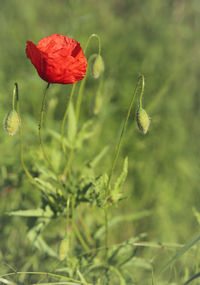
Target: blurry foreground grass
159	39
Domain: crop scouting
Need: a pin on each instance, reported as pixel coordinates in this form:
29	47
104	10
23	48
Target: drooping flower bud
11	122
143	120
97	66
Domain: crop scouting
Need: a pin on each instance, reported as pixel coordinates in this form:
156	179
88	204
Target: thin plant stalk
76	231
78	104
65	117
108	190
68	234
40	127
89	39
40	136
16	97
77	113
141	78
44	273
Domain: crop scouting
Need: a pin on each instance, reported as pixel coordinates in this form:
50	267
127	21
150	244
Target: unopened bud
11	122
143	120
97	66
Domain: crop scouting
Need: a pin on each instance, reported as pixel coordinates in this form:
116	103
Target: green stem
122	134
77	113
99	42
65	117
40	127
44	273
106	233
117	155
142	92
78	235
67	167
16	95
80	93
40	136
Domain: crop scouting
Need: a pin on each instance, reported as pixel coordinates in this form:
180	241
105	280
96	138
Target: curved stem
28	174
65	117
99	42
142	91
80	92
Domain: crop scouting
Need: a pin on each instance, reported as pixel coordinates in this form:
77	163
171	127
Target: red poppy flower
58	59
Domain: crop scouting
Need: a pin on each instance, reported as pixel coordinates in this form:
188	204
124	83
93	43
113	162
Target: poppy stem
140	78
28	174
40	135
15	96
77	113
76	230
142	91
108	190
65	117
99	42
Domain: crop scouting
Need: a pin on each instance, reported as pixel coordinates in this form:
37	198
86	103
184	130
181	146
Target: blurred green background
159	39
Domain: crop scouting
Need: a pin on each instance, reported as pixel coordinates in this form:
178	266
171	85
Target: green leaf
62	283
35	237
32	213
43	247
84	134
116	220
180	253
121	278
97	158
122	176
46	186
6	281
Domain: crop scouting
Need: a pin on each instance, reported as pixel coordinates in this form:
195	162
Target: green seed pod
143	120
97	66
11	122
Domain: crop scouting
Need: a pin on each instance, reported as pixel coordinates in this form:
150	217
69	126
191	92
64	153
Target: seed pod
11	122
97	66
143	120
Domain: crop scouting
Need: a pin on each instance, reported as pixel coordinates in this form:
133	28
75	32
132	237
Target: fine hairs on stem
117	151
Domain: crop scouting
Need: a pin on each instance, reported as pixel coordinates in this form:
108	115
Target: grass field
142	226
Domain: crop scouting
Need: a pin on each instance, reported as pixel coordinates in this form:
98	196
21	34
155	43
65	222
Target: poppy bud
11	122
143	120
97	66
